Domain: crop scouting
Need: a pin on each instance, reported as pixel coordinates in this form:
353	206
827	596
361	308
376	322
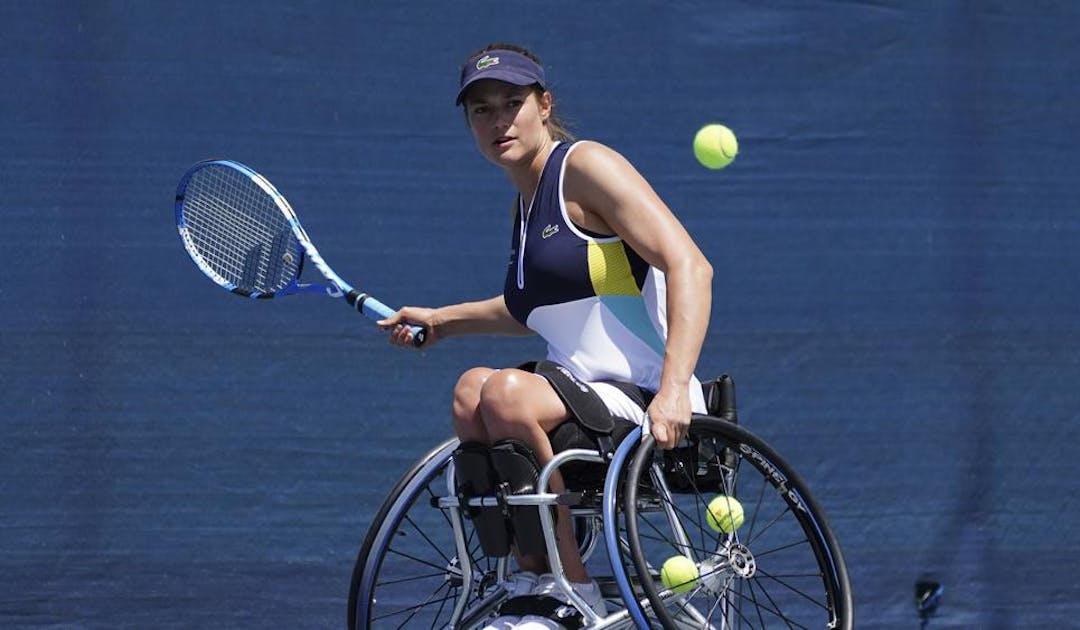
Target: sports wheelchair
634	507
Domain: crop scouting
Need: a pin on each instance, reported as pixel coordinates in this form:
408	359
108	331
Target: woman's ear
546	101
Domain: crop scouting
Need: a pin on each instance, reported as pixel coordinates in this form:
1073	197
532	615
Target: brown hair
556	127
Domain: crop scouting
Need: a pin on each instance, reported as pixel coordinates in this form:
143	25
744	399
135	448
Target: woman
602	270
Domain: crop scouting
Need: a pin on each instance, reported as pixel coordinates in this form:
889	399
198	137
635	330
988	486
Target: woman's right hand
400	325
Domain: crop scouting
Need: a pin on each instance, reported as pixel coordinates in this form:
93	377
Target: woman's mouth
502	141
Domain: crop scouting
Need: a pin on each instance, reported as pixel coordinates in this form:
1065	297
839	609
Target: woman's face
507	121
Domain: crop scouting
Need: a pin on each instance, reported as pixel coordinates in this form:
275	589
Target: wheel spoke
777	569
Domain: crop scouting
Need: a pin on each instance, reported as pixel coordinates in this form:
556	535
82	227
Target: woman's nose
503	119
501	122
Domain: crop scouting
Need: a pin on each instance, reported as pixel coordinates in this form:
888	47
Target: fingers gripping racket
244	235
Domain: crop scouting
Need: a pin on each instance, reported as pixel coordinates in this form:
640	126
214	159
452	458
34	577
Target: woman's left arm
612	194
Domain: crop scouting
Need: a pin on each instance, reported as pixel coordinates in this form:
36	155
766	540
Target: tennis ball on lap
679	574
725	514
715	146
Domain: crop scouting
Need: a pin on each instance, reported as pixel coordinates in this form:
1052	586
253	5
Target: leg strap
517	469
587	408
583	403
475	477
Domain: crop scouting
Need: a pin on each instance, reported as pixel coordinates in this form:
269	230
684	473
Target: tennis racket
244	235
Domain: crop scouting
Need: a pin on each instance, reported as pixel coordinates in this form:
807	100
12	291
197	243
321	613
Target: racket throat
335	291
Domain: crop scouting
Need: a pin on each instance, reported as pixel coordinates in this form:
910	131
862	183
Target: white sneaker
502	623
536	622
518	584
589	591
521	583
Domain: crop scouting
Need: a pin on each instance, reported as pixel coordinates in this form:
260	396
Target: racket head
239	230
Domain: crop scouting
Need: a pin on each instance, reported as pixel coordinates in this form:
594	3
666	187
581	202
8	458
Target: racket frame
336	286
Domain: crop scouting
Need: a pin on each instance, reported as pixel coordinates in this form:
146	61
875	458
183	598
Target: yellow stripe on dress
609	270
615	287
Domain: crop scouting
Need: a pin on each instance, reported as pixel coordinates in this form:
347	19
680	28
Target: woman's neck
525	176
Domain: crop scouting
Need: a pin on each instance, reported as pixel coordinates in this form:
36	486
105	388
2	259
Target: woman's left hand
669	417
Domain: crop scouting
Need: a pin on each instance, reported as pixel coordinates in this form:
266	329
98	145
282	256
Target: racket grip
374	309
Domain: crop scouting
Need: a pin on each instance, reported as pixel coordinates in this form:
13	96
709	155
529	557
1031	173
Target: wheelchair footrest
555	610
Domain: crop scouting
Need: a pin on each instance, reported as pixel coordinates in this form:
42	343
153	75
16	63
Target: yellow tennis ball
725	514
715	146
679	574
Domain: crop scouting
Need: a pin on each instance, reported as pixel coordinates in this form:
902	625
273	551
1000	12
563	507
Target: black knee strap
475	477
583	403
517	469
586	407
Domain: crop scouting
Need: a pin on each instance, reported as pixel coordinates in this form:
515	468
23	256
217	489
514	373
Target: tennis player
600	268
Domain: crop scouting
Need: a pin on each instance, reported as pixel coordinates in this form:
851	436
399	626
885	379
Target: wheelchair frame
758	575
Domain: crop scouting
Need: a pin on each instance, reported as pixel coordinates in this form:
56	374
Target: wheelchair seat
588	477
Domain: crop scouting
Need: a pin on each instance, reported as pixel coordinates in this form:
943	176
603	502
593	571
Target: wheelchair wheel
781	567
409	573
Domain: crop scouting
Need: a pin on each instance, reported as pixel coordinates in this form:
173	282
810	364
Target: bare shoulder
596	173
608	195
589	155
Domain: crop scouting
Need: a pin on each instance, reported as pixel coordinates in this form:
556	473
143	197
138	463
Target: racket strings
239	232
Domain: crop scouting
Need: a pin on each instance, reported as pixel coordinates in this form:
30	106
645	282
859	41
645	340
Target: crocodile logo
486	62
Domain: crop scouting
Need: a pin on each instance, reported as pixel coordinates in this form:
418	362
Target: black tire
407	574
782	568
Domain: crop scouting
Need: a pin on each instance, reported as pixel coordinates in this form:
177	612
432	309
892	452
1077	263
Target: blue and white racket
244	235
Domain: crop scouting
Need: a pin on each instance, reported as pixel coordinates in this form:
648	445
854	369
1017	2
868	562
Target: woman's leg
469	427
520	405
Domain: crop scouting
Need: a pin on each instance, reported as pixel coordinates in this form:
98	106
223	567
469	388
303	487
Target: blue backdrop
896	293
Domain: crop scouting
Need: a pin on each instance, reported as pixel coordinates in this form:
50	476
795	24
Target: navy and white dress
599	306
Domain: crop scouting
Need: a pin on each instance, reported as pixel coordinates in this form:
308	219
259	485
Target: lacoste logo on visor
486	62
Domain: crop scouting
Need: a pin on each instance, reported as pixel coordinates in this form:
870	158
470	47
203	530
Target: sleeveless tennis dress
599	306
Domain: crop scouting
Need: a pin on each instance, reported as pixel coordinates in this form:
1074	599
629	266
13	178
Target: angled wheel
410	572
780	567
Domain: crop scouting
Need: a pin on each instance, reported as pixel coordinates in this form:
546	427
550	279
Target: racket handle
374	309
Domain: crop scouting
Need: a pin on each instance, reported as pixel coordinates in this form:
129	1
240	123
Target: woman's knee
514	397
467	394
501	396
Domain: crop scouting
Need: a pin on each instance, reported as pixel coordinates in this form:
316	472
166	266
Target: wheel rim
781	568
409	574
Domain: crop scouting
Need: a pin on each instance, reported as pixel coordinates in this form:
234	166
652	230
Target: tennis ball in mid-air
725	514
679	574
715	146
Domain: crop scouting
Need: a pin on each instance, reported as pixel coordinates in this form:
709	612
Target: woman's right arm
485	317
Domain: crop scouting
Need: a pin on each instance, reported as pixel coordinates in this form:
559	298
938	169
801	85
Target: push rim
782	567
